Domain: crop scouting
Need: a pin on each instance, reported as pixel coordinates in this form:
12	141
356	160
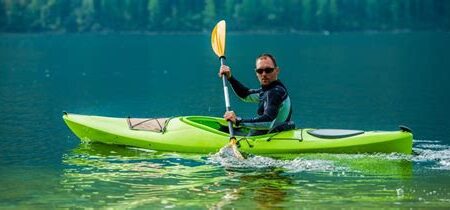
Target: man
274	109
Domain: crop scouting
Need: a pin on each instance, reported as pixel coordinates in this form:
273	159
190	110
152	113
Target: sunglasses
267	70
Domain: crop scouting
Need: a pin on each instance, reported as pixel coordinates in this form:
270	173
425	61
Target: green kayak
200	134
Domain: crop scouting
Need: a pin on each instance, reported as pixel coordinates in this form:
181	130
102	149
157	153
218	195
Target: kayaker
274	109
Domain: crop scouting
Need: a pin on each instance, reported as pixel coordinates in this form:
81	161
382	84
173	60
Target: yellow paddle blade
218	38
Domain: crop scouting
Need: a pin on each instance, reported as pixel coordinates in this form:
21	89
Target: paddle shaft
227	98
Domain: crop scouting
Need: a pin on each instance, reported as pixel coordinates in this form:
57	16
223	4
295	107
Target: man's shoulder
277	91
279	88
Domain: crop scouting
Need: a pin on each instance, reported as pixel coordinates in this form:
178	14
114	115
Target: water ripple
439	159
120	177
432	154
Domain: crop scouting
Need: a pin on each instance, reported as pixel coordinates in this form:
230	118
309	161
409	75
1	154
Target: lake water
352	80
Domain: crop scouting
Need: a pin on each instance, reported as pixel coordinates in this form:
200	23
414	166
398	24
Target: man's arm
244	93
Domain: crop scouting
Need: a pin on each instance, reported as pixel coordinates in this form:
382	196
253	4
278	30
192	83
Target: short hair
269	56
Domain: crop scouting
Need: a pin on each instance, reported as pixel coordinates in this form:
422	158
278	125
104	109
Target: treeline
242	15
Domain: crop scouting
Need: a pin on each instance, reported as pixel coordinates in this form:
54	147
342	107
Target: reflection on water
123	177
101	175
265	190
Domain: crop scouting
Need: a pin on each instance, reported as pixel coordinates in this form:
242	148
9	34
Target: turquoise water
352	80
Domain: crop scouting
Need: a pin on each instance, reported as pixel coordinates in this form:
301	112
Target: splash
429	152
261	163
227	159
230	150
426	141
437	155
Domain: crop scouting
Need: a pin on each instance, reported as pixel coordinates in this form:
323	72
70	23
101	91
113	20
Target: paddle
218	45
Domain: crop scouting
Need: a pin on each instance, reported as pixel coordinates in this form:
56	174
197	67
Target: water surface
351	80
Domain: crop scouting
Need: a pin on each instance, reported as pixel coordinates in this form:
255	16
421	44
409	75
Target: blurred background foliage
23	16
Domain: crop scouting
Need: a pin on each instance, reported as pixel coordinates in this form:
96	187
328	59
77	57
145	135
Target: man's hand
225	70
230	116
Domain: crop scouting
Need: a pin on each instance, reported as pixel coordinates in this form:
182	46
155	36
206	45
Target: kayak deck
200	134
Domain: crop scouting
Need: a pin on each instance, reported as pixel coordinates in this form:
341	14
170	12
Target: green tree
179	15
154	14
333	15
230	7
2	15
269	15
307	13
15	20
322	14
290	15
84	15
209	13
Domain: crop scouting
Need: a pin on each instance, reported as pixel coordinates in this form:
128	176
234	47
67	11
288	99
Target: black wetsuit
274	107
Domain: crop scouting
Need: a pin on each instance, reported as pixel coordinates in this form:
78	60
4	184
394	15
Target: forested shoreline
32	16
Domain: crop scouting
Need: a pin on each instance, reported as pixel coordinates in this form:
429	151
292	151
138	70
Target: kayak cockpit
219	125
213	124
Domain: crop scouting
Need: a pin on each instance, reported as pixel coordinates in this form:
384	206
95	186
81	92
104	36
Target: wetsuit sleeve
244	93
273	102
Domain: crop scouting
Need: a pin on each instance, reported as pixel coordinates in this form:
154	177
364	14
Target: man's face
263	67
